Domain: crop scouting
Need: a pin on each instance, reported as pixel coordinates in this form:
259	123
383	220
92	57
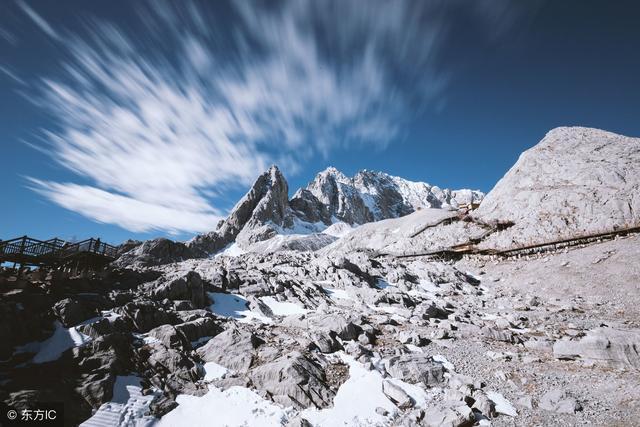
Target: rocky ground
306	312
304	338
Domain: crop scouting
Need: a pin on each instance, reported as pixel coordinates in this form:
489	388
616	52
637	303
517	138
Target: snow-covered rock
371	196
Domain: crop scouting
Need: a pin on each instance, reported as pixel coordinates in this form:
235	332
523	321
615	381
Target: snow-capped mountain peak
330	198
372	196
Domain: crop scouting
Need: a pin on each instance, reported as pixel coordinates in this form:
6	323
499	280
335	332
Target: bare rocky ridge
575	181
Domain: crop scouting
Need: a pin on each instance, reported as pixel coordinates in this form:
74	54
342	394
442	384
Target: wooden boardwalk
470	248
88	254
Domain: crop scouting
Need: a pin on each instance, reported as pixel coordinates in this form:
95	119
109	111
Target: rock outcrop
576	181
156	252
607	346
257	216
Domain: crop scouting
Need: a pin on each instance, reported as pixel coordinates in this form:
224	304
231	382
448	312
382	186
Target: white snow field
236	406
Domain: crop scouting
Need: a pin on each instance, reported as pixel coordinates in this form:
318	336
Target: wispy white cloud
189	105
128	212
8	36
7	72
38	20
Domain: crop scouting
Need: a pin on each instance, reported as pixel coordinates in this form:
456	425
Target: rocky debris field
305	338
305	312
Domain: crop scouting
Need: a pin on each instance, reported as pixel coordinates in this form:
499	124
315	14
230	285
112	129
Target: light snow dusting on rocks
360	301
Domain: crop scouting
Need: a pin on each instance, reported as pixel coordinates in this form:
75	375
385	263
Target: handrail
55	249
470	248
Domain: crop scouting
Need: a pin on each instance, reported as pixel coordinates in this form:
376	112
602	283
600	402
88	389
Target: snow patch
231	250
213	371
236	406
338	294
339	229
234	306
53	347
280	308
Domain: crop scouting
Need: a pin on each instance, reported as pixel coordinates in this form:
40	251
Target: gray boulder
234	349
293	380
326	342
71	312
609	346
199	328
170	337
174	371
449	416
500	335
558	401
188	287
415	368
145	315
342	326
397	395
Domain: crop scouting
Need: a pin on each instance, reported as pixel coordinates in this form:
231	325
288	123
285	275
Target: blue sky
139	119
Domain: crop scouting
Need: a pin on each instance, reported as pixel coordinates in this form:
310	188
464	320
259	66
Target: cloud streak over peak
196	100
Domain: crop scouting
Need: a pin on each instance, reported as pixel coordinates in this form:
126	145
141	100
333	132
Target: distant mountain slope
371	196
575	181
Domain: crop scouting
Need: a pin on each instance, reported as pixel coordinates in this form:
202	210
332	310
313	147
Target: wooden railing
470	247
27	250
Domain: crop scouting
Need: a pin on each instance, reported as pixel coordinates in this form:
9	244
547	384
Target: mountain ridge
331	197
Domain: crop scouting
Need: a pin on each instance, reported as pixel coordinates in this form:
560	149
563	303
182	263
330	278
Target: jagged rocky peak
575	181
371	196
264	207
331	197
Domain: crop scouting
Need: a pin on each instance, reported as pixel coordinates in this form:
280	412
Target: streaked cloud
7	36
38	20
129	213
7	72
161	120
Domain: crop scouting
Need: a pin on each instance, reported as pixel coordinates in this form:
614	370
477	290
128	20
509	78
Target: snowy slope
396	235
